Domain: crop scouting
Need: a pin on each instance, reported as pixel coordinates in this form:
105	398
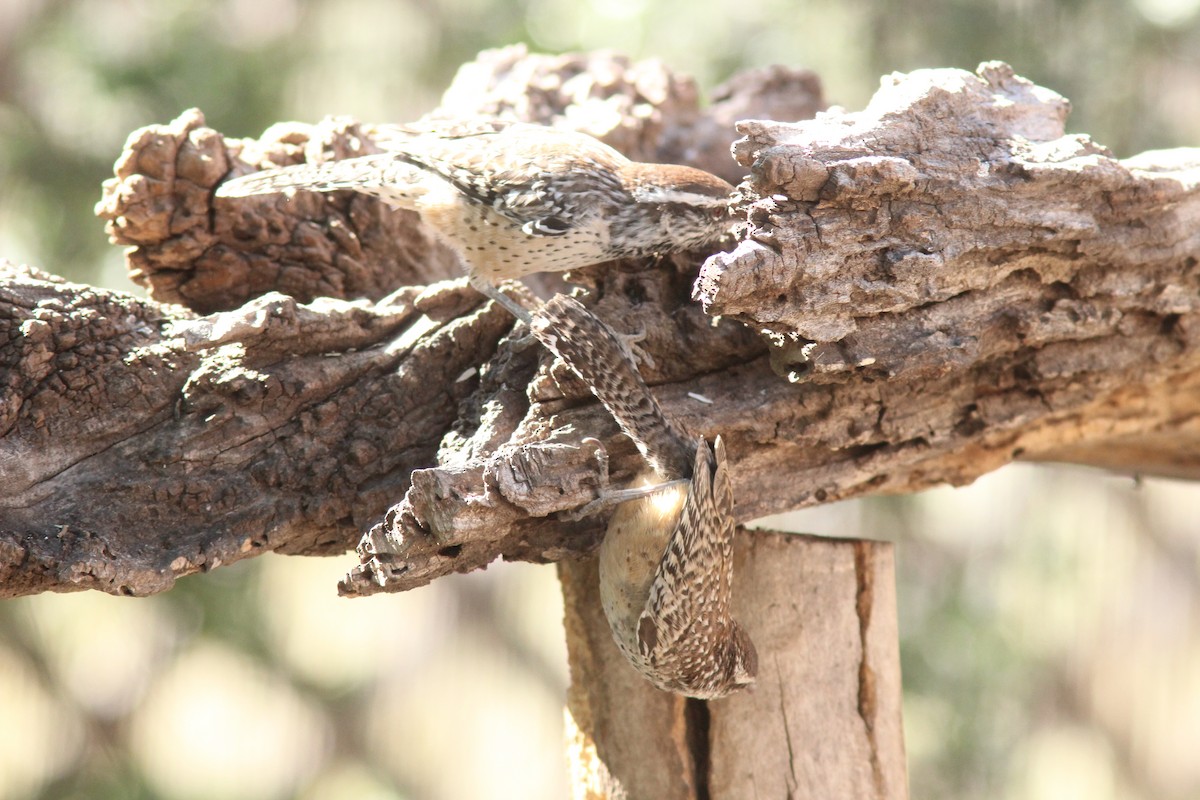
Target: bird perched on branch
512	199
666	561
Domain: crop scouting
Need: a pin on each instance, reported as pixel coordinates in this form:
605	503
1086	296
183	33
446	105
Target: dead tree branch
955	282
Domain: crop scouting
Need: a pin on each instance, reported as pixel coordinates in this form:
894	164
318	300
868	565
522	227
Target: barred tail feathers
381	175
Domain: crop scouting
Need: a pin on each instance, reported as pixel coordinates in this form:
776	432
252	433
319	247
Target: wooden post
823	720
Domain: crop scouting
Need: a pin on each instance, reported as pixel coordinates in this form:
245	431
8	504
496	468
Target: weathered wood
823	719
142	443
952	240
625	739
944	276
132	454
946	268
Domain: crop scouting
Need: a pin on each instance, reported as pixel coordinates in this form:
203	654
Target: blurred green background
1050	617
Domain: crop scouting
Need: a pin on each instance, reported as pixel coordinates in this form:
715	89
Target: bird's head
675	208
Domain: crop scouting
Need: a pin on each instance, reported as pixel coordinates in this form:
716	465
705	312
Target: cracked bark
951	281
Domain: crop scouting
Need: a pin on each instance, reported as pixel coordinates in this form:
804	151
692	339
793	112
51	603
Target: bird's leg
606	496
612	497
489	290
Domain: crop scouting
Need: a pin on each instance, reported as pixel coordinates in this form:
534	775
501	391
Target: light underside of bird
666	572
515	199
634	543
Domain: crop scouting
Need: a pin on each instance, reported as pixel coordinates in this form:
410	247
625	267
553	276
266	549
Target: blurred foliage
1049	618
1049	632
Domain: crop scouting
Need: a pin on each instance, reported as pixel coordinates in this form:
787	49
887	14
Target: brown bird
513	199
666	562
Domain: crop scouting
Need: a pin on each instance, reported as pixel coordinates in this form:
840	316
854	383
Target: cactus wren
666	562
512	199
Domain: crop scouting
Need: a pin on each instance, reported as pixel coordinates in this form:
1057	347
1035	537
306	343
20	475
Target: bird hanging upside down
666	561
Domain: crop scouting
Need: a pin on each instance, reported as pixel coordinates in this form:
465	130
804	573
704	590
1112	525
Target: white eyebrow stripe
645	194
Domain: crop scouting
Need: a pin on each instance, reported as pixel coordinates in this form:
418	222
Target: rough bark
1003	288
959	283
953	283
823	719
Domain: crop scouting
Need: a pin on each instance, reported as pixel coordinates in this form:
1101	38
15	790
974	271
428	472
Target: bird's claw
629	343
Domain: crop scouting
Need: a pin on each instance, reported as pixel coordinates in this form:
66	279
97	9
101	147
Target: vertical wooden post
823	720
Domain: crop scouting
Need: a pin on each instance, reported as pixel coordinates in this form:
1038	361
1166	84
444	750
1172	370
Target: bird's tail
381	175
592	349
